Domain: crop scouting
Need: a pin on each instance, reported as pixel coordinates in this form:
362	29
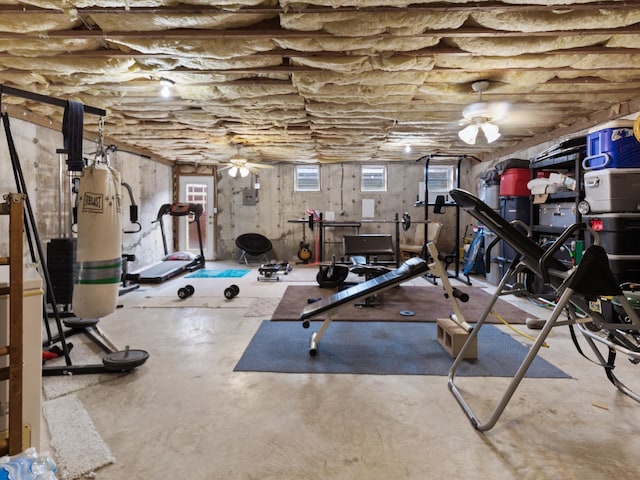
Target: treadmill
173	264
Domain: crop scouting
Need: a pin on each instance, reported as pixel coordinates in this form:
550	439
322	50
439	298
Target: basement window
441	178
373	178
307	178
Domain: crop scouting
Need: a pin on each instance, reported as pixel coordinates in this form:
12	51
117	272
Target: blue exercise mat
206	273
383	348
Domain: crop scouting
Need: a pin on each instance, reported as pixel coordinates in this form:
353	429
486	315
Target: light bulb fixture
235	170
407	149
166	84
469	134
491	131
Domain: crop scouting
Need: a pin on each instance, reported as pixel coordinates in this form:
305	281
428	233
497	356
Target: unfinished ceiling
324	80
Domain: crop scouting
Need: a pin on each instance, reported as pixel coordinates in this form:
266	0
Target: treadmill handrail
180	209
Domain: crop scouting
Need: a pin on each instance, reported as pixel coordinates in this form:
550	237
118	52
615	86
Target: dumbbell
185	291
231	291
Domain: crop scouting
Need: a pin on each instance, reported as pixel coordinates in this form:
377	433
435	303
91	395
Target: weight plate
407	313
125	360
406	221
75	322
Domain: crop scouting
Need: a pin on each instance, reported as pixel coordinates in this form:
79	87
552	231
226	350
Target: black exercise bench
369	246
414	267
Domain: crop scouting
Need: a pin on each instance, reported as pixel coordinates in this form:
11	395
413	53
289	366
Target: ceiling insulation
321	80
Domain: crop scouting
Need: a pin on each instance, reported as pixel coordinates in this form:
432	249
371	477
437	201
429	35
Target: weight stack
61	259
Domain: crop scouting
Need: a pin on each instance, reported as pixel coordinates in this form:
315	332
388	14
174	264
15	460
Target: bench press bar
405	221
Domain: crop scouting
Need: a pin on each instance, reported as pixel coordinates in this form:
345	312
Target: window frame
450	171
300	187
373	189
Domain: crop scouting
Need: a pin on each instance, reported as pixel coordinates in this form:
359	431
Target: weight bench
412	268
369	246
574	286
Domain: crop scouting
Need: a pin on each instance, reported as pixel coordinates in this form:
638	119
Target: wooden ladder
13	206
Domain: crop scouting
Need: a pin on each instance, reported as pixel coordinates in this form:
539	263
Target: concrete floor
187	414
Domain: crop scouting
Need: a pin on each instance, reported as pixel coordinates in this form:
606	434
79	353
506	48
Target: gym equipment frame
413	267
175	263
575	287
115	360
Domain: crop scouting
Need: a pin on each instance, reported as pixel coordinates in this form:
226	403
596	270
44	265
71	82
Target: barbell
405	221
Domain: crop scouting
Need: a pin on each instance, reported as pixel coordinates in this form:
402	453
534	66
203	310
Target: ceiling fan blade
532	115
258	165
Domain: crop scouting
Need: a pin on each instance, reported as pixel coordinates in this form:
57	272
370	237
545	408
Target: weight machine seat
253	244
594	277
368	245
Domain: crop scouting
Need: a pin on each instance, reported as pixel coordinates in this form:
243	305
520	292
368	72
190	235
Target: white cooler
32	353
612	190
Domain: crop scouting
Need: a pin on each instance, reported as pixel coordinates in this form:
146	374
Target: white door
197	189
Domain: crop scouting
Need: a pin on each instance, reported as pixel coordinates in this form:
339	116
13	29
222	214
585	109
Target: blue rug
382	348
205	273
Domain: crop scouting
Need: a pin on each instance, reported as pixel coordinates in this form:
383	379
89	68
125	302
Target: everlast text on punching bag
99	244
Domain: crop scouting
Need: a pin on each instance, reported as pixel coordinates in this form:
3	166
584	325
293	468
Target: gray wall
36	149
340	190
152	185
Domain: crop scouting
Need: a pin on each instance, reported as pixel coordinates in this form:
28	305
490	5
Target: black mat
382	348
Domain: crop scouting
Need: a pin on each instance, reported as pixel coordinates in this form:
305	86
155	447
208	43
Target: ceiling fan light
469	134
233	171
244	171
490	131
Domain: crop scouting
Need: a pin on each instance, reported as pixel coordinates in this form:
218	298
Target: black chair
253	245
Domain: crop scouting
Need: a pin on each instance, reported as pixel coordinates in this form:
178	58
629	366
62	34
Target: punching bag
99	243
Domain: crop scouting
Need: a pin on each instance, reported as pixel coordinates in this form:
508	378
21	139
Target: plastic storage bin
619	233
625	268
612	145
561	214
513	182
612	190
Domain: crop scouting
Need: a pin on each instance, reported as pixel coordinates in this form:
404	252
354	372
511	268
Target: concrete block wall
340	192
152	184
36	148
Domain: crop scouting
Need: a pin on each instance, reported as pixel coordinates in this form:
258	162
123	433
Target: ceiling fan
482	117
241	167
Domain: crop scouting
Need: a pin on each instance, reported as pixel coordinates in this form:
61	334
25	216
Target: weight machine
115	360
454	258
